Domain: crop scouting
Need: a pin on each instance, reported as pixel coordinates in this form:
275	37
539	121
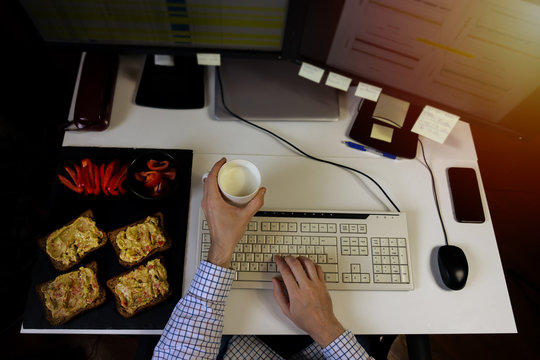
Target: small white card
209	59
381	132
311	72
435	124
338	81
368	92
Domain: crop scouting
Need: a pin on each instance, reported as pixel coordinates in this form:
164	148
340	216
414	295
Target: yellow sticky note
381	132
338	81
209	59
311	72
391	110
367	91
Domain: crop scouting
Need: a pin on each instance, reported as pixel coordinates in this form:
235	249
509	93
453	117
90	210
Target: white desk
483	306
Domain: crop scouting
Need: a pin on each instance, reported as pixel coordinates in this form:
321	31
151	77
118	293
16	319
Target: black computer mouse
453	266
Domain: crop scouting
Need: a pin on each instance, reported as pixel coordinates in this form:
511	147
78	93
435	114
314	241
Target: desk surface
483	306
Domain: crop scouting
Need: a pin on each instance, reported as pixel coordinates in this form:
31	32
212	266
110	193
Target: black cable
218	72
434	190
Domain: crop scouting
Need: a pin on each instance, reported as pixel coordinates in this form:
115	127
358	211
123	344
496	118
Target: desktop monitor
478	59
183	28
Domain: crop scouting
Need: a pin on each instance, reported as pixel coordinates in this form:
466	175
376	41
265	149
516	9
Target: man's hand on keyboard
305	299
227	223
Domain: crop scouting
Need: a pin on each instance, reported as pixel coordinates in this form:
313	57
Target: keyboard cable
218	72
435	196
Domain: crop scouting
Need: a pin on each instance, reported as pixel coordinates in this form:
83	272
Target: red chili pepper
102	178
79	177
69	185
91	178
85	169
109	171
152	179
97	188
157	165
72	173
113	183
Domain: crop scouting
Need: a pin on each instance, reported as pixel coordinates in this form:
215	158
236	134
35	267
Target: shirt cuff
212	282
345	347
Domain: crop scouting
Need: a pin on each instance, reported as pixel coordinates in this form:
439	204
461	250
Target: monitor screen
183	28
477	59
202	24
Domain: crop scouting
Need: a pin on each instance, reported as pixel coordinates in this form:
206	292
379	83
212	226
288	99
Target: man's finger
281	298
286	274
297	270
309	267
210	184
256	203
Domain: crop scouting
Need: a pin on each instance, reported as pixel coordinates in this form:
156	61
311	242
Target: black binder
404	142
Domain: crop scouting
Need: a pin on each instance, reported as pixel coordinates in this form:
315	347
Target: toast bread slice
112	235
42	242
55	321
112	282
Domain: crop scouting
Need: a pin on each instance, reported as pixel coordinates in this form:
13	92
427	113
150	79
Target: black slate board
111	213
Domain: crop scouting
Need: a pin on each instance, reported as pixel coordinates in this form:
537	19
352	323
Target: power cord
218	72
436	197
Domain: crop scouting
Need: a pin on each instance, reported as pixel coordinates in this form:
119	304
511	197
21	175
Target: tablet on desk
383	134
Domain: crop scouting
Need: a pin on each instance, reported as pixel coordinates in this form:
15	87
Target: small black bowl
140	164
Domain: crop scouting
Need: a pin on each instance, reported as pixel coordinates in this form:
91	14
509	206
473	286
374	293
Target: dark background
36	87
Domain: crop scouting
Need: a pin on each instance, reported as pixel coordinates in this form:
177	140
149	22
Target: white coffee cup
239	181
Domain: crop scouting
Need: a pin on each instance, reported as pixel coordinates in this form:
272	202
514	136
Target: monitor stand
180	86
262	89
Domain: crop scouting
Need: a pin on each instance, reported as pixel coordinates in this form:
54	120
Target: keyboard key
256	276
331	277
327	240
382	278
329	267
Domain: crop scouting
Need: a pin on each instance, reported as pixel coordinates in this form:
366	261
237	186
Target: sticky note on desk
337	81
435	124
368	92
209	59
381	132
311	72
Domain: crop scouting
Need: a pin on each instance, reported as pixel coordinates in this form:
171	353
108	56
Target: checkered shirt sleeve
346	347
196	324
251	347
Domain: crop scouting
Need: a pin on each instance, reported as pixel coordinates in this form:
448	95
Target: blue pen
363	148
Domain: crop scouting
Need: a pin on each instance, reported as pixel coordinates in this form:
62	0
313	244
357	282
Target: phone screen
465	195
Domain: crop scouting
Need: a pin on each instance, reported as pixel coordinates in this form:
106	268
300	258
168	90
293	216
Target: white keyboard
357	251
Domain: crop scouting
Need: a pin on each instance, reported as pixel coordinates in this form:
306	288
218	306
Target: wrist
219	257
328	334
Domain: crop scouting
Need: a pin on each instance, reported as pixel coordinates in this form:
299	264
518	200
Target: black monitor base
172	87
